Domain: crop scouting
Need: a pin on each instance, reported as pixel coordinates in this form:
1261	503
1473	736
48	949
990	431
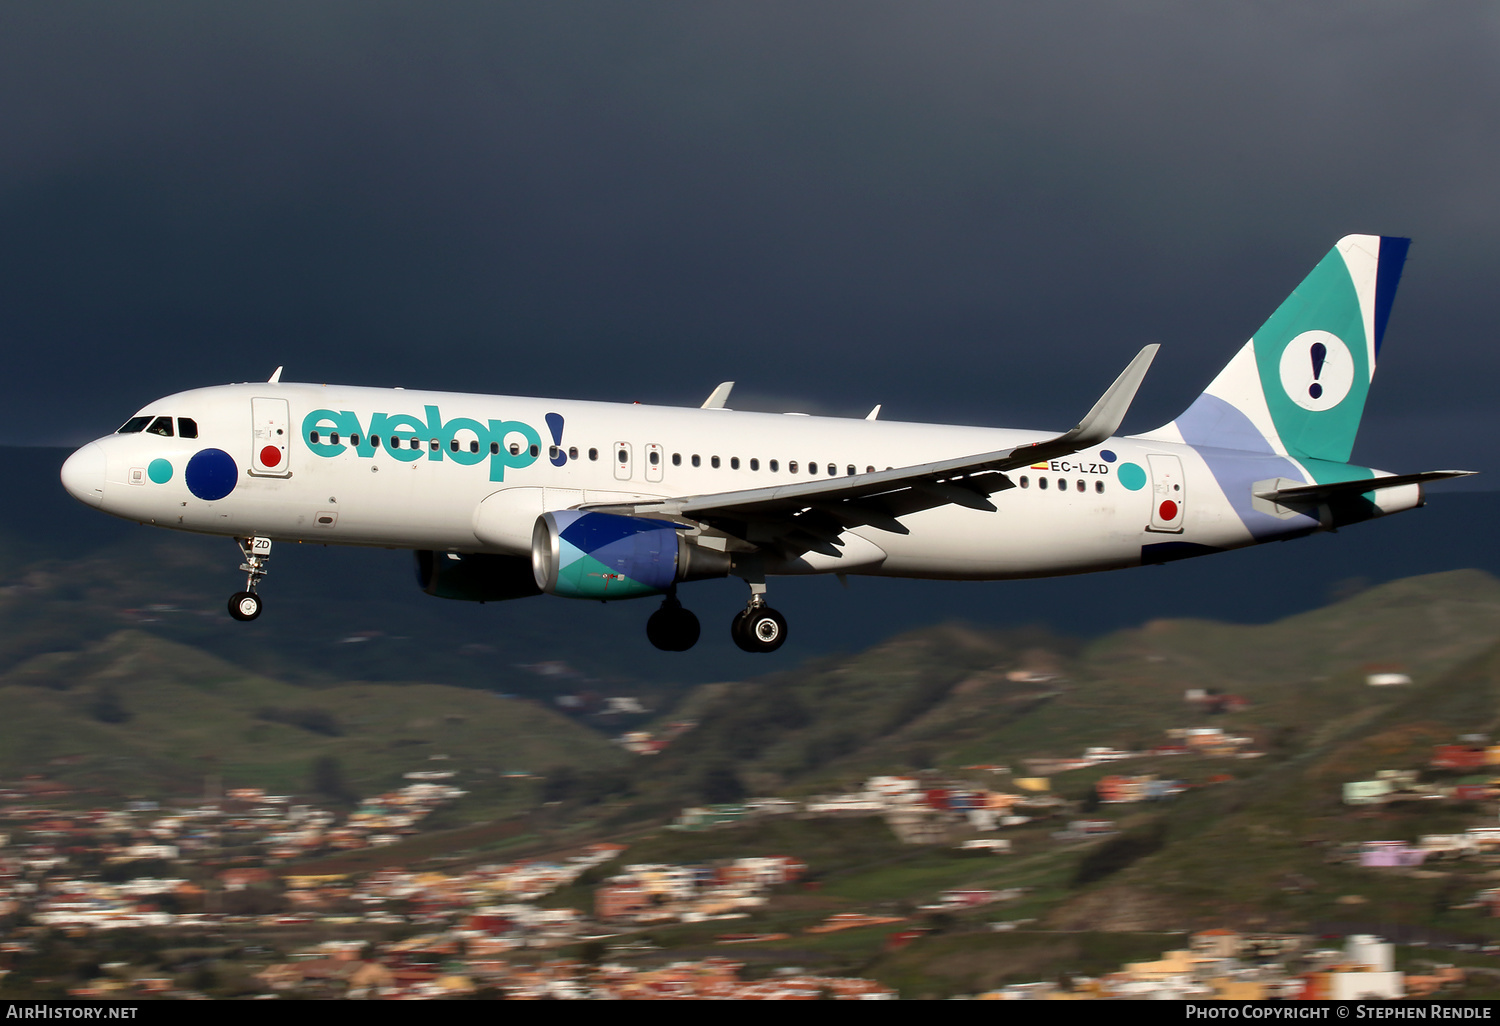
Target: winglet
718	397
1105	418
874	414
275	378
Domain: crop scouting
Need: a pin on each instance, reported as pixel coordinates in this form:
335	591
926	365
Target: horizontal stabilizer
1313	493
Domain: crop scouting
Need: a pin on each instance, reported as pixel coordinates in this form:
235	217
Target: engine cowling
475	577
604	556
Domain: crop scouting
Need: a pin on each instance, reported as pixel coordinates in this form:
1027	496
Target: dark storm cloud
970	212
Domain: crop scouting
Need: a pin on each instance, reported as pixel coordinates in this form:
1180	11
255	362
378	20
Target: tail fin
1298	386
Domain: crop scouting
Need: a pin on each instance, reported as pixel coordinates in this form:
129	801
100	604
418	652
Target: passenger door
270	444
1169	494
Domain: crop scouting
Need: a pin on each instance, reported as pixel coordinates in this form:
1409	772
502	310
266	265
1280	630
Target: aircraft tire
673	629
737	629
244	605
762	629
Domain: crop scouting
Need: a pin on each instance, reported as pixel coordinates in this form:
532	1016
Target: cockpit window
187	427
161	426
133	425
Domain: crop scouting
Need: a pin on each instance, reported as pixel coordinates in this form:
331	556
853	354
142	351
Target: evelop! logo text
505	443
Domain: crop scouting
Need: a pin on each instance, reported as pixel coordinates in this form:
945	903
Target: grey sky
973	212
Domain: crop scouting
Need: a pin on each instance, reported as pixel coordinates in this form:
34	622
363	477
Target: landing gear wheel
758	629
244	605
673	629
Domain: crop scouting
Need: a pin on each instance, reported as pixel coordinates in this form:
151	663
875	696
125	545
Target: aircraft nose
83	474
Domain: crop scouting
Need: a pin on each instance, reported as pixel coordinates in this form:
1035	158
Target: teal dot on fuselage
1132	476
160	471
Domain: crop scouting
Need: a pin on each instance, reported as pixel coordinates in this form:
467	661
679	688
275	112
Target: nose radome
83	474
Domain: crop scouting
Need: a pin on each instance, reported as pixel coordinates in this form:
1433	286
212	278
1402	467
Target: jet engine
604	556
474	577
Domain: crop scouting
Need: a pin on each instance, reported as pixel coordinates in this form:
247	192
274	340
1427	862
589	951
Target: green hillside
137	713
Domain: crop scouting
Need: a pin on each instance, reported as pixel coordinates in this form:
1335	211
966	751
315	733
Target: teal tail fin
1298	387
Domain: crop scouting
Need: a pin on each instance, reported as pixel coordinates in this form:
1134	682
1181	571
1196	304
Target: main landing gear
672	628
756	628
246	605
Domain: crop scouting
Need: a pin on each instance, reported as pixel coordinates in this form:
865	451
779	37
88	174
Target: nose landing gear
246	605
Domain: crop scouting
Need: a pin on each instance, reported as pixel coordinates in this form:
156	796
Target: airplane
504	497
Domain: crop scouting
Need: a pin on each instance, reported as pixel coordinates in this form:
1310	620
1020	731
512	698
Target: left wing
811	514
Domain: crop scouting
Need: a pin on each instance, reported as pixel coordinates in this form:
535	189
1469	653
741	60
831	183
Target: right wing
811	514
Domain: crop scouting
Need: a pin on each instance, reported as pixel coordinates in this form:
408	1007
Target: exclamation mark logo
555	425
1319	353
1317	370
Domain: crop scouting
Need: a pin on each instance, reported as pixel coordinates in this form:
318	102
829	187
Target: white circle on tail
1317	370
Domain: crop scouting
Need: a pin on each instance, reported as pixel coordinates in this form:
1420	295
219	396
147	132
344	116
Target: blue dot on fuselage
1107	455
211	474
1132	476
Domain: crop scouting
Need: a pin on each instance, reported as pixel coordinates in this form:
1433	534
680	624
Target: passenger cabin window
573	452
161	426
774	466
713	461
654	457
187	427
812	468
593	454
677	459
852	471
754	463
734	463
791	468
536	450
697	460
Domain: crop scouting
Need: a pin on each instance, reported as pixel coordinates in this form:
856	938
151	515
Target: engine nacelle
475	577
603	556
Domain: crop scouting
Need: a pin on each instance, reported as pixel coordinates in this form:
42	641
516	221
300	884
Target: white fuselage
474	485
